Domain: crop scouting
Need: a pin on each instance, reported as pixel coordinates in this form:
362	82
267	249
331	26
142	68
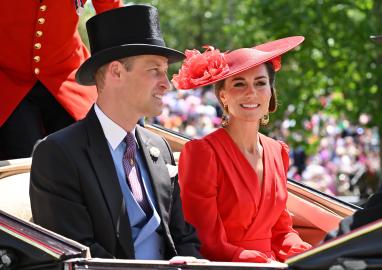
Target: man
104	181
41	51
372	210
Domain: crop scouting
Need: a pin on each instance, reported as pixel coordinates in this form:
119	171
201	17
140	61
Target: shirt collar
113	132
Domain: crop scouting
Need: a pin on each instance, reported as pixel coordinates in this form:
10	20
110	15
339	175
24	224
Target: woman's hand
299	248
253	256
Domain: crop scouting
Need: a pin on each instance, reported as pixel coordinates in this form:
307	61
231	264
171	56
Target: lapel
103	165
160	179
267	189
235	164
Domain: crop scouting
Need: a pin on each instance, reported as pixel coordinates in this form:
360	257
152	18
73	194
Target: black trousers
38	115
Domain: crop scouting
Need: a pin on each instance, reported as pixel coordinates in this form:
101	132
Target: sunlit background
330	88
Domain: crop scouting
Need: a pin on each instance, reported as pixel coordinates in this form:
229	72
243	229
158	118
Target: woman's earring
264	120
225	117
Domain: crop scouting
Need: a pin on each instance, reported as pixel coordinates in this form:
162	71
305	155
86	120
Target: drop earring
225	117
264	120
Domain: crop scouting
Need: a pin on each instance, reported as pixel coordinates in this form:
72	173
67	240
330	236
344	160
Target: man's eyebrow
153	63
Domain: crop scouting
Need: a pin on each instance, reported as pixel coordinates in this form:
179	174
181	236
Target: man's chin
155	113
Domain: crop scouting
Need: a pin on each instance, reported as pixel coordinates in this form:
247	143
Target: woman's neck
245	135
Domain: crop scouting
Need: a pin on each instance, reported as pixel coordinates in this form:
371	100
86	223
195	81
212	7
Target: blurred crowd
345	162
193	113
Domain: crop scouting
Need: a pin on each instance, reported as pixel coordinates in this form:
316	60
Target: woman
233	181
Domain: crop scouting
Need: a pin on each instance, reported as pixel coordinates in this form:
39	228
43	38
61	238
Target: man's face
144	84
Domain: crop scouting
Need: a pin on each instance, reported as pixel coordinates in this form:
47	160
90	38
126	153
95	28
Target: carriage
25	245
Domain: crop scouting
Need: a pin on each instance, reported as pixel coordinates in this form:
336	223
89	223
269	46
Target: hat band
133	42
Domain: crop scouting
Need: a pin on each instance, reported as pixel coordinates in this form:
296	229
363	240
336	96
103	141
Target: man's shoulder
69	138
71	133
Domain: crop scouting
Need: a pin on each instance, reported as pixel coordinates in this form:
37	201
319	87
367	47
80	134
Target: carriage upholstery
310	219
14	187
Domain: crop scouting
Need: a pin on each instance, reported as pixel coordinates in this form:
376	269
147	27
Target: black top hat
377	39
122	32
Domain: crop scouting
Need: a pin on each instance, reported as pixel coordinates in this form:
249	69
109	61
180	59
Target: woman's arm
285	240
198	179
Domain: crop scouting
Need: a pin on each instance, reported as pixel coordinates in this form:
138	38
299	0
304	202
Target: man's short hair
99	76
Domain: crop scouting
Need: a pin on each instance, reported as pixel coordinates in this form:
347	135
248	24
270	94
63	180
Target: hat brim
261	54
267	52
85	74
377	39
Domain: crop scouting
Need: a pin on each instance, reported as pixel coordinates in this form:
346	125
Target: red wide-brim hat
211	66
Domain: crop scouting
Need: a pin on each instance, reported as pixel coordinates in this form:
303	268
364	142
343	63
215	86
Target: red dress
221	197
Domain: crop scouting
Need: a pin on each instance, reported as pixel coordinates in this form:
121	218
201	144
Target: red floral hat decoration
211	66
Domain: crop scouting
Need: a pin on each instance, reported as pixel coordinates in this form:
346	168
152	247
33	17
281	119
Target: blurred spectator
194	113
299	158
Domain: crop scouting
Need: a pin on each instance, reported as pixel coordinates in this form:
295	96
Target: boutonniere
154	152
172	170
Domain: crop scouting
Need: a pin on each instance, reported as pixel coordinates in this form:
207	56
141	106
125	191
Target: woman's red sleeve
199	184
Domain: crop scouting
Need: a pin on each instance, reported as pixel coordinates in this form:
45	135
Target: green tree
337	60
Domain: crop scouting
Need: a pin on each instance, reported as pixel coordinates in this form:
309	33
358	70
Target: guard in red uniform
41	51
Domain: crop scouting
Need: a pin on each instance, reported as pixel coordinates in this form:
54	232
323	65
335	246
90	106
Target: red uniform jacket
222	198
40	41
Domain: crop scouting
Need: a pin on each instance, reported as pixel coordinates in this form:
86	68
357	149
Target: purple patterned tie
132	176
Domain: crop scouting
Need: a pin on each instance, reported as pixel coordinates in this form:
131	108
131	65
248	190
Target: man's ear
114	69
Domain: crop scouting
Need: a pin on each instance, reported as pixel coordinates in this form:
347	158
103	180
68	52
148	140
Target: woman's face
247	94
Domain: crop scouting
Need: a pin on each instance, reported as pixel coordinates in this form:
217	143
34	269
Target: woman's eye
261	83
238	84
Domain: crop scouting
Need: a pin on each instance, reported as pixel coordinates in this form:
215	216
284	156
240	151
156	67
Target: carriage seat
14	187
